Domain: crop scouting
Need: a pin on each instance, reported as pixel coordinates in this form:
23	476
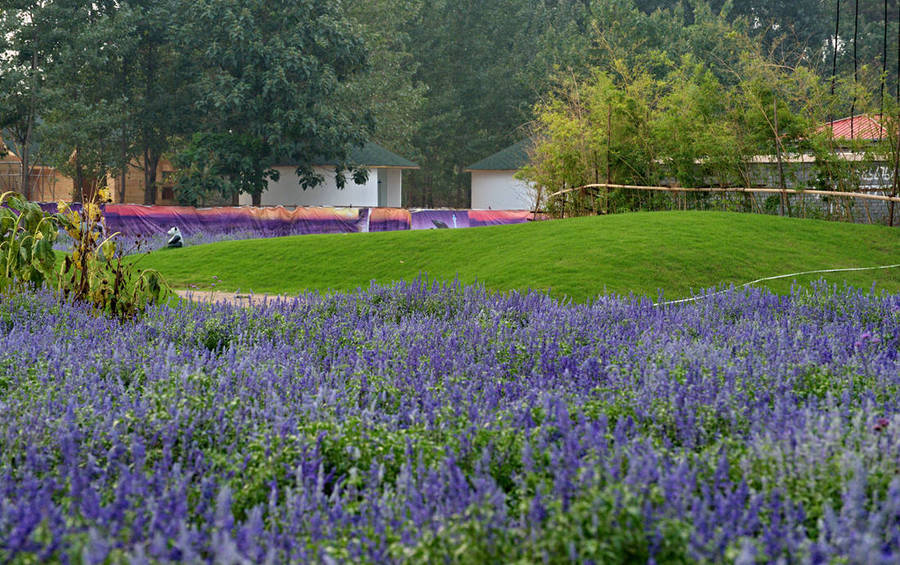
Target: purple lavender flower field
425	423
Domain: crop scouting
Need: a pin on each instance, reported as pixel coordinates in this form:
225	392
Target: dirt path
239	298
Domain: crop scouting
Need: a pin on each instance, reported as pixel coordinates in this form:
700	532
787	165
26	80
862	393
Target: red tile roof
863	127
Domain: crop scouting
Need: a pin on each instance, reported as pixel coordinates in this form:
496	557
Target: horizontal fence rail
605	198
735	190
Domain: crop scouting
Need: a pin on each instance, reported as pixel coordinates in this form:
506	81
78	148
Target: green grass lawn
641	253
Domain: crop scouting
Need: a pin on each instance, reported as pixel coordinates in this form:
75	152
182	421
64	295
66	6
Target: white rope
695	298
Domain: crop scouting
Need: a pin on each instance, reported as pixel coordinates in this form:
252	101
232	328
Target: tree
225	164
19	105
776	111
83	115
26	41
629	127
103	80
478	61
792	26
387	86
274	72
162	91
890	148
595	131
695	141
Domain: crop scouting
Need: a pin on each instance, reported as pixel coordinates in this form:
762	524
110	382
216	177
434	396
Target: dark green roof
373	155
512	158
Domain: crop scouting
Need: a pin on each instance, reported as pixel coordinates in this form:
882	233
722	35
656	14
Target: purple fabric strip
138	221
439	219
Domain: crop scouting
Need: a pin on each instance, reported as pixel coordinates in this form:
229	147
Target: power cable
883	70
695	298
834	45
855	66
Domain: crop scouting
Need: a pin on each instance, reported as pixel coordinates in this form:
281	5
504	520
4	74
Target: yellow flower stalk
93	211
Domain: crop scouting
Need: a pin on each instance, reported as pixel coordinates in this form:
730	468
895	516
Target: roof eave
491	170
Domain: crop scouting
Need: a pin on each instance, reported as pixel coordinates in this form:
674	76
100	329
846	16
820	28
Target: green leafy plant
95	273
26	242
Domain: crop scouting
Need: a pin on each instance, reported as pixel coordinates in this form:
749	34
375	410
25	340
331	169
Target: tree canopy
114	82
443	82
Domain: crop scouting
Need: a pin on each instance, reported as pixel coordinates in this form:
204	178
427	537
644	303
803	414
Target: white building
493	184
383	189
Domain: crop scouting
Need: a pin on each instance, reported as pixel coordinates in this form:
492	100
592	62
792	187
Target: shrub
26	242
95	273
91	272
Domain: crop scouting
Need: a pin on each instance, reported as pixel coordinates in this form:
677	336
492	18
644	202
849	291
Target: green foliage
482	66
387	86
97	84
26	243
696	144
595	131
93	273
513	52
273	74
603	525
226	164
159	83
81	125
688	128
798	94
22	76
106	84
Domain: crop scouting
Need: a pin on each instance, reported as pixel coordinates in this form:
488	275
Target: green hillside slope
643	253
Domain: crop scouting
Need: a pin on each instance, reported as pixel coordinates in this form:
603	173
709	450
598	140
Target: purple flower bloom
396	422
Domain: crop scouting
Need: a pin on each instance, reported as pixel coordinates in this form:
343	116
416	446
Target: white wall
498	190
395	187
286	191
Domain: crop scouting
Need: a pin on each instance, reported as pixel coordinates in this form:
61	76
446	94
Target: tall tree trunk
25	176
257	199
25	145
123	83
78	188
151	161
895	185
24	142
608	161
124	174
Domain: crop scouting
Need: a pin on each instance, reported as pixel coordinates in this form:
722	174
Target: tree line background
228	88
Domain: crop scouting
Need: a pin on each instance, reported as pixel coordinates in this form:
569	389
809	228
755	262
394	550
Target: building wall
47	185
395	187
813	206
286	191
878	176
134	184
52	186
498	190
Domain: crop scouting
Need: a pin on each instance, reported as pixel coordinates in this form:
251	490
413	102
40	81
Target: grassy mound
641	253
